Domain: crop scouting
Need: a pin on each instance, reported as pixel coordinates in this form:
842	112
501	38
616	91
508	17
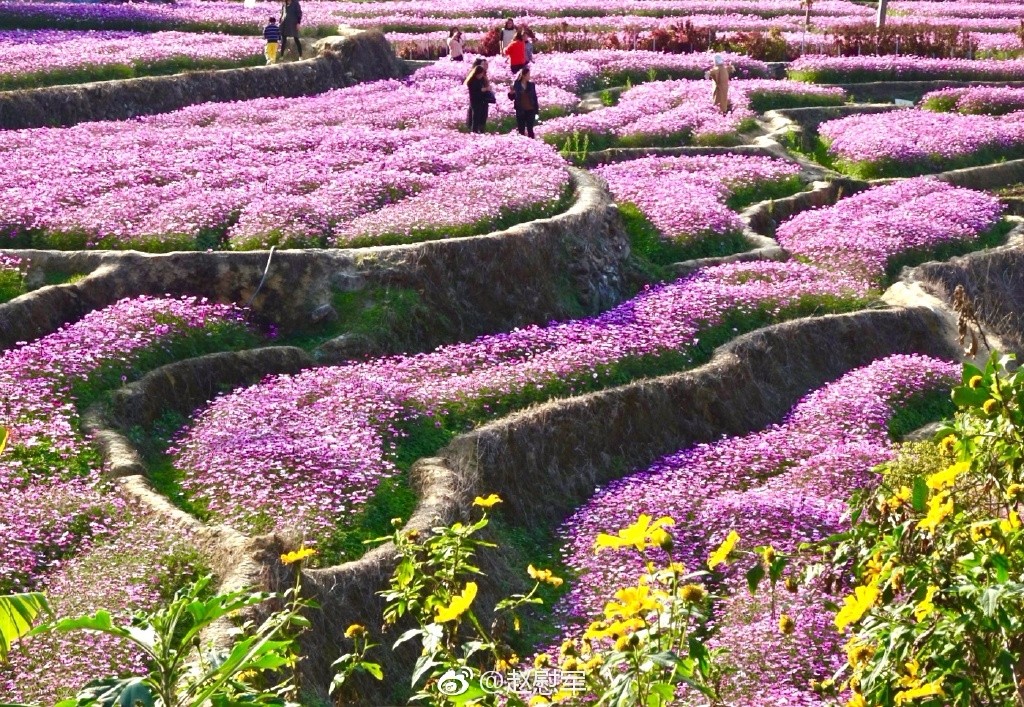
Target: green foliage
940	103
648	641
432	587
247	671
938	562
762	101
921	409
110	72
877	169
18	613
655	252
395	315
393	497
576	146
991	238
12	284
914	460
744	196
211	338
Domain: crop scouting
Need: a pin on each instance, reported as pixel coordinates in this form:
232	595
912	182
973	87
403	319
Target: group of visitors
517	45
275	35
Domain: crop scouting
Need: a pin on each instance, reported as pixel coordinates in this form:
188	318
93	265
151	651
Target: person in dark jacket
480	95
524	98
291	18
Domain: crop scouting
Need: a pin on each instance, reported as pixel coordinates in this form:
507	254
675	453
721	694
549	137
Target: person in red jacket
516	52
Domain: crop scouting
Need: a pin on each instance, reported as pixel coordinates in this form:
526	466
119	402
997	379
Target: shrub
936	614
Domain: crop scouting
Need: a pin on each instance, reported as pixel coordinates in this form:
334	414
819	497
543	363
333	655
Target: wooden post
883	6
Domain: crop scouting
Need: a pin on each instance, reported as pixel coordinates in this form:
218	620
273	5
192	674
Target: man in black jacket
291	17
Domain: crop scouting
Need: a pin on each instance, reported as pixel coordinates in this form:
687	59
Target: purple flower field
48	463
915	141
674	112
37	57
61	516
830	69
685	197
976	100
330	170
308	450
784	485
863	233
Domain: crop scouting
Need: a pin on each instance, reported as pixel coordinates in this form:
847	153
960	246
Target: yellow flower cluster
633	602
722	553
914	686
947	477
926	606
858	653
544	576
294	556
855	606
487	502
940	507
641	535
786	624
457	606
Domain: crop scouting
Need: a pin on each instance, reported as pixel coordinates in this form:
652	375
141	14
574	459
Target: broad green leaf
17	614
970	370
665	659
919	499
699	652
115	692
1002	567
661	693
423	666
968	397
473	692
754	576
373	669
411	633
989	601
100	621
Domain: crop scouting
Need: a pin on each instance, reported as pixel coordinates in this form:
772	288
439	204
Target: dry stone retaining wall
534	272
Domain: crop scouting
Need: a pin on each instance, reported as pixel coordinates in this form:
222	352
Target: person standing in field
720	73
272	36
516	53
455	44
481	96
291	18
524	98
528	37
508	33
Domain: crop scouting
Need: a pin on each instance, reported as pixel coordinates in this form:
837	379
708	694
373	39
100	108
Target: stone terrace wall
571	264
358	56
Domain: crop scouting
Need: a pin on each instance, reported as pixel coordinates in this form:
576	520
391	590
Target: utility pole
883	6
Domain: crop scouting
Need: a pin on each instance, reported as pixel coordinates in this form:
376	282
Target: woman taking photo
524	98
480	95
